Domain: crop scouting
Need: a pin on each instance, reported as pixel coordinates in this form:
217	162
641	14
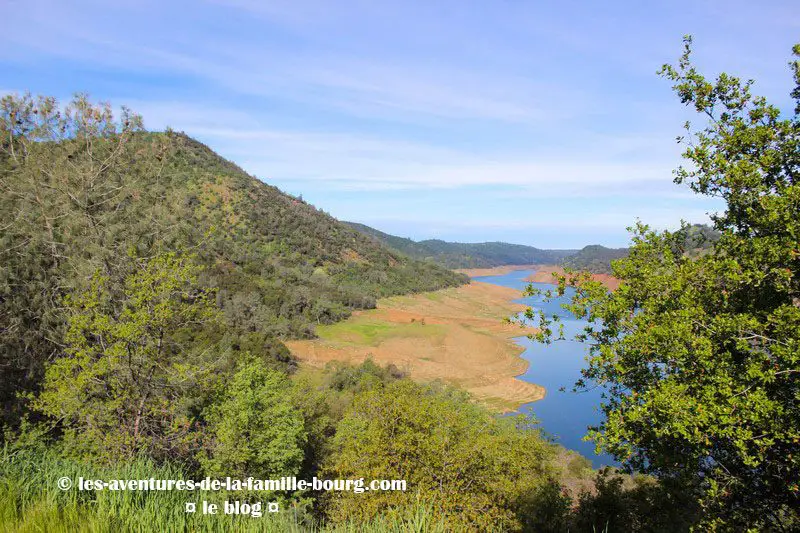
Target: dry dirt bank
458	335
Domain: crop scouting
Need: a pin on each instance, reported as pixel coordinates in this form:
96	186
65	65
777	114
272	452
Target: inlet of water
565	415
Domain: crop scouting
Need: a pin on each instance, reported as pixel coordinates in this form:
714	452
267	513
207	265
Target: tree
126	383
66	180
254	428
479	472
700	356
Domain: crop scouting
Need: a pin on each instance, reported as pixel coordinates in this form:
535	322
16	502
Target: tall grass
31	502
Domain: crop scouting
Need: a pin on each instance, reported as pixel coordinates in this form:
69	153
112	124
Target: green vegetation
129	364
467	469
465	255
592	258
700	353
697	239
480	471
253	428
29	502
595	258
373	333
147	285
85	193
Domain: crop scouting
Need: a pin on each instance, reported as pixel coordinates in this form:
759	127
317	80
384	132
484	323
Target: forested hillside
595	258
592	258
697	239
466	255
86	194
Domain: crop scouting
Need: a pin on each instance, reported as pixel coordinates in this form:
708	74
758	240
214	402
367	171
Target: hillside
80	205
465	255
694	240
594	258
293	245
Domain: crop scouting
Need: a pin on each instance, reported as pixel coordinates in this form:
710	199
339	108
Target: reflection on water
565	415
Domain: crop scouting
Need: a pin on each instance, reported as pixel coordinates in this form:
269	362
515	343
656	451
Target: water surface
564	415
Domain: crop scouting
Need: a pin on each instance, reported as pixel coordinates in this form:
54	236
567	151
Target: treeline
696	240
593	258
465	255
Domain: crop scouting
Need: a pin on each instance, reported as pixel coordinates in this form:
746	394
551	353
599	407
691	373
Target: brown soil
460	336
494	271
550	273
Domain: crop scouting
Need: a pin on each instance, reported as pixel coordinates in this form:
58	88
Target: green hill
694	240
595	258
465	255
105	201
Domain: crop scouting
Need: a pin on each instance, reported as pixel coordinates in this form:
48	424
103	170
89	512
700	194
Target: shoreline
494	271
458	335
549	273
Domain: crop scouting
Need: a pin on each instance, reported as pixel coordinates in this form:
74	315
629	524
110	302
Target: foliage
595	258
697	240
699	355
253	427
146	287
83	190
64	182
476	469
124	385
645	506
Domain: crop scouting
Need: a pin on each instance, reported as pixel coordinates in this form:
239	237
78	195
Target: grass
434	296
367	332
31	502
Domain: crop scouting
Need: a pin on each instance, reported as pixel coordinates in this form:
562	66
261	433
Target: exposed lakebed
565	415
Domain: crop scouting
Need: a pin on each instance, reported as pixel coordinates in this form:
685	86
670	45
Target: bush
477	470
255	429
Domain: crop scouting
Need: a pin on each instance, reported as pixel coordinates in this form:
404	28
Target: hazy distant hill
466	255
596	258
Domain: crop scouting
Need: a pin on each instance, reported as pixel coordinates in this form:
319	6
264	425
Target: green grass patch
435	296
372	333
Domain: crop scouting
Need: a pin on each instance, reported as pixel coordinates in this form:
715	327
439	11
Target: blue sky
541	123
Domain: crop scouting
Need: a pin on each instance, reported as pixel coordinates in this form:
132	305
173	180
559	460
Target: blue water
564	415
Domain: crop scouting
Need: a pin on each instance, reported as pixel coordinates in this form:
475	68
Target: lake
564	415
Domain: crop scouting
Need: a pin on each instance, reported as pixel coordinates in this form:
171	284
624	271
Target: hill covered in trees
594	258
696	239
89	194
466	255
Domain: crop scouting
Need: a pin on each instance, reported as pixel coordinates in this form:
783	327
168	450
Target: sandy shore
458	335
494	271
550	273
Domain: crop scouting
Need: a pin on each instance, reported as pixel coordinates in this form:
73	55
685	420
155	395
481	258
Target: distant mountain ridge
466	255
594	258
697	239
